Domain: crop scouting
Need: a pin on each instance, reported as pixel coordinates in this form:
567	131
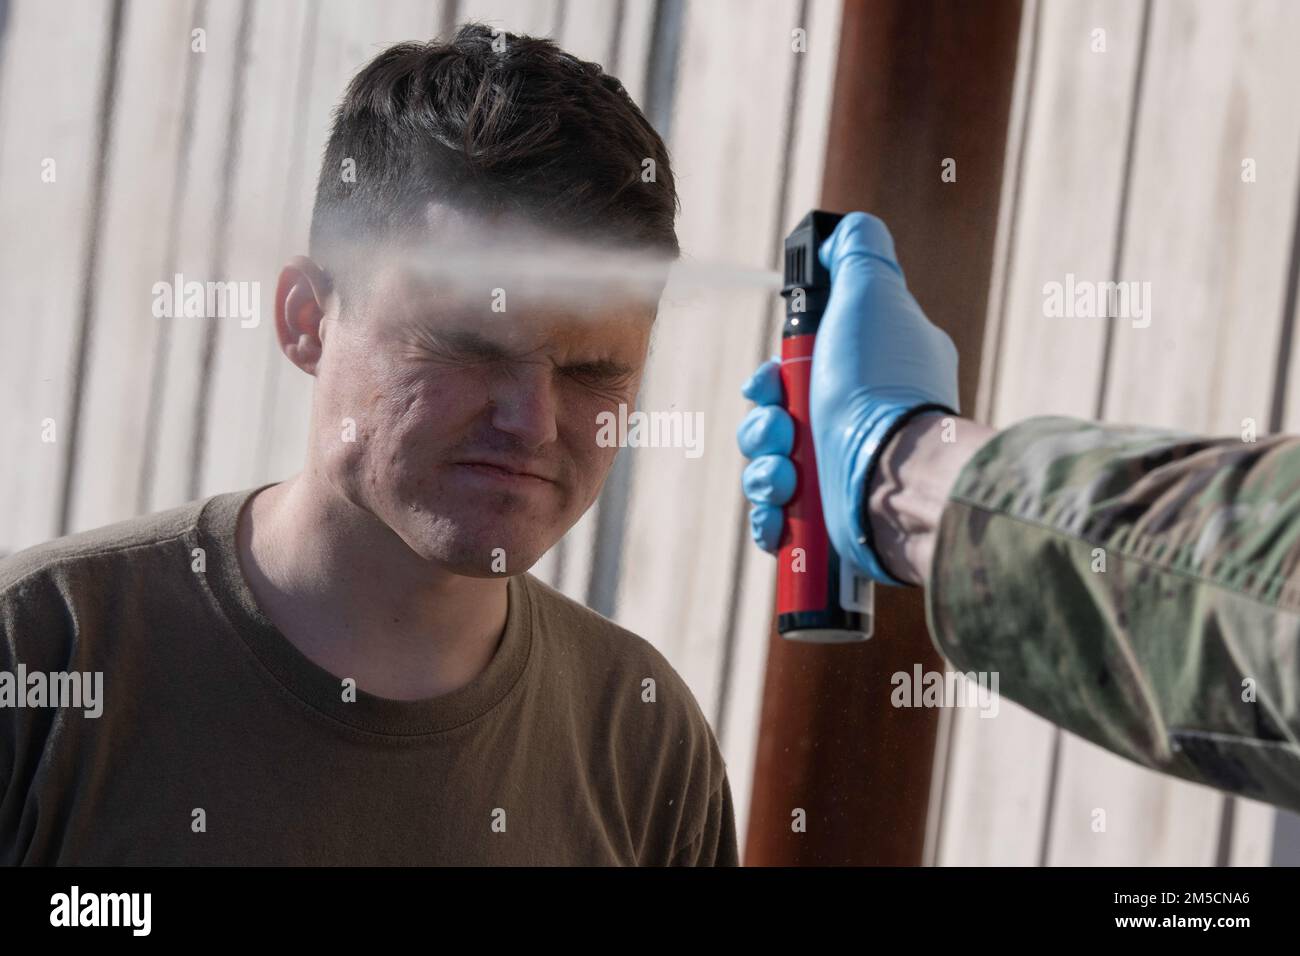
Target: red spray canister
819	597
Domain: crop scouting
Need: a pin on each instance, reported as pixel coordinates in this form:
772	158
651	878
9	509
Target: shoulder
94	547
51	588
639	707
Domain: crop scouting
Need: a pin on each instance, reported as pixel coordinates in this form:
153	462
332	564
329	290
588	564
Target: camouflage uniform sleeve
1138	587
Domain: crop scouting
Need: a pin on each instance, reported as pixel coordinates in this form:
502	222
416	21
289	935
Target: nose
523	402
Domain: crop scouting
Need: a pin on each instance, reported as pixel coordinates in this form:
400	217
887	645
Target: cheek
404	422
582	424
420	415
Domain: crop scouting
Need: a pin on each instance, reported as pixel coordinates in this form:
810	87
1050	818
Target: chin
478	551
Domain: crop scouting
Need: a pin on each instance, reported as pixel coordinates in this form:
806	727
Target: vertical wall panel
265	167
634	47
47	112
145	157
199	233
999	775
535	17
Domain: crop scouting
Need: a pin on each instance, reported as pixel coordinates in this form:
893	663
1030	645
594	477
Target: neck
348	592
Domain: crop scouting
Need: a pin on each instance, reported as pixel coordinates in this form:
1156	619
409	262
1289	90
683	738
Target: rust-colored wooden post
916	83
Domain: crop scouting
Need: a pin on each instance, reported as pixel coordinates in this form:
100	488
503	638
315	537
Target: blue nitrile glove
877	362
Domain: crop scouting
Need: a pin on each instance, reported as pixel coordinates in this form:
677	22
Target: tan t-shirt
218	742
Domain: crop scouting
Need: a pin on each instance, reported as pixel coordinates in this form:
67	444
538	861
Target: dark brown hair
518	127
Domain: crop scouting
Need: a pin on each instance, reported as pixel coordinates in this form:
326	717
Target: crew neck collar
215	530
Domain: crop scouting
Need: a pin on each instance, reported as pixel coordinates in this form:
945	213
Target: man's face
442	388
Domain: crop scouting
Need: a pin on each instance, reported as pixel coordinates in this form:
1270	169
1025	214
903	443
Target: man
353	666
1140	587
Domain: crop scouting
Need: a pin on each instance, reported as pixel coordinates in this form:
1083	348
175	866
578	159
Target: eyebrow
469	342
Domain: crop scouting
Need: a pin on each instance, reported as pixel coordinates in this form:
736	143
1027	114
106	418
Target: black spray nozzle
807	282
803	270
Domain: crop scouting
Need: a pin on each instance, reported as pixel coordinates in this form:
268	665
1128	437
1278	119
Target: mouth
495	471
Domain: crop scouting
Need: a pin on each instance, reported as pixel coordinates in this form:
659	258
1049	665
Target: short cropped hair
497	124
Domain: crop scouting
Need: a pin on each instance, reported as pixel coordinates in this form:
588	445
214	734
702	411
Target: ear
300	298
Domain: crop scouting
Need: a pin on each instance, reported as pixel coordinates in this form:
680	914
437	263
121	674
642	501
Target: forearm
909	487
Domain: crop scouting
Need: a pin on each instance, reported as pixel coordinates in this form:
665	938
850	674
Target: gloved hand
877	362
